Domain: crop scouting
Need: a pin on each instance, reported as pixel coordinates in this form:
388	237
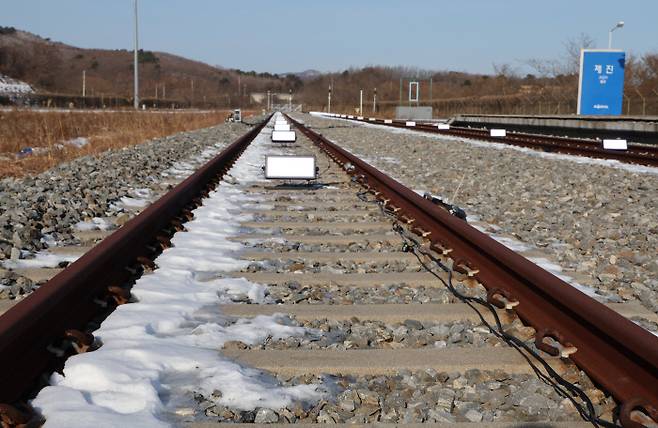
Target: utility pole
84	83
268	100
290	99
136	62
329	101
164	91
374	102
361	102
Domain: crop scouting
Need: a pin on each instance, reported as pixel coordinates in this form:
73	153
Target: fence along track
35	334
636	154
615	352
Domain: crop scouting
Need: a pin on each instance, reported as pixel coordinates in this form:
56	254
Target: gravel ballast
42	211
418	396
595	221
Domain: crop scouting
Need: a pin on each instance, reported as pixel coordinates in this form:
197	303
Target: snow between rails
166	344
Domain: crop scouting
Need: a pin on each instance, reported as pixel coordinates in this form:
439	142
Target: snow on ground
42	259
640	169
166	344
13	86
96	223
129	202
78	143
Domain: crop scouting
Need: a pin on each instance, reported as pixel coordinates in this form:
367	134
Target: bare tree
572	47
505	70
569	64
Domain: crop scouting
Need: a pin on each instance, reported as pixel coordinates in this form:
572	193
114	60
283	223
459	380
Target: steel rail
635	154
616	353
32	329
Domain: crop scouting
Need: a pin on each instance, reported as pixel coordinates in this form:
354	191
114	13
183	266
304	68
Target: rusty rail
636	154
33	329
615	352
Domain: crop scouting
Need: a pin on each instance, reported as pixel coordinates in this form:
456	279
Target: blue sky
295	35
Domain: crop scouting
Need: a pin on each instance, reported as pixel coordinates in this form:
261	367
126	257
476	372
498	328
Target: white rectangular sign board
281	127
360	117
498	133
372	119
443	126
290	167
283	136
615	144
411	123
388	121
280	122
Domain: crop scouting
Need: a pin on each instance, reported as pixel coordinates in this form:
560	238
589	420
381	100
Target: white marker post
498	133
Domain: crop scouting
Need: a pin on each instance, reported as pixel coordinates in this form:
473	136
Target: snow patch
78	143
42	259
96	223
128	202
14	86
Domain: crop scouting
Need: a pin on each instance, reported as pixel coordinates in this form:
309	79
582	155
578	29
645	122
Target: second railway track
361	316
641	154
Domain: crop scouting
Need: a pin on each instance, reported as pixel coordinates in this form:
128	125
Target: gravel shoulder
598	223
93	193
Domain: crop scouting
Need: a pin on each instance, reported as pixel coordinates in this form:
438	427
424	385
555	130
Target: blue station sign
601	88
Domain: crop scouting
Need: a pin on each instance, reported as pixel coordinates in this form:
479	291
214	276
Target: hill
55	67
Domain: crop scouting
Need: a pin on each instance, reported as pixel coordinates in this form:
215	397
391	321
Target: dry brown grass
105	130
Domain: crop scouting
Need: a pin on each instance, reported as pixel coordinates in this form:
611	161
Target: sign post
601	85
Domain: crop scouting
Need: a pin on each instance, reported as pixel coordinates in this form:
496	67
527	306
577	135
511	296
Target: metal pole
361	102
374	102
329	101
136	63
84	83
290	99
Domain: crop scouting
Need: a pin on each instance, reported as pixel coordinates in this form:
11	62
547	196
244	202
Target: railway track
635	154
383	284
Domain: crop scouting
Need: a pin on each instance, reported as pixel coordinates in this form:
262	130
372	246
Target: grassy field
47	132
